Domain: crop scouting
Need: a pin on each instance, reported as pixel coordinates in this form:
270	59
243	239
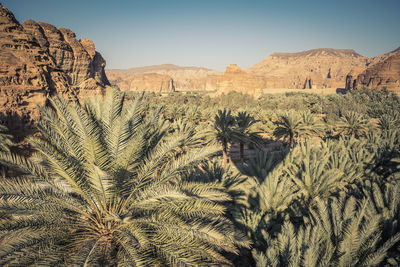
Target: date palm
5	143
389	121
244	121
5	139
353	124
289	126
104	188
342	232
269	194
311	125
225	132
319	171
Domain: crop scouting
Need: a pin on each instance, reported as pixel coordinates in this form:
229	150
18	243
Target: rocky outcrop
317	68
235	79
382	71
185	78
78	60
151	82
38	60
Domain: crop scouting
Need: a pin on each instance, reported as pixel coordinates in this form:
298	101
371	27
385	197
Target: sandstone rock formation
184	78
317	68
236	79
151	82
38	60
78	60
382	71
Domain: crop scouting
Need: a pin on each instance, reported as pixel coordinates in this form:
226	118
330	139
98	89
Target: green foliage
353	124
322	194
224	128
389	121
6	140
342	232
289	126
136	180
105	187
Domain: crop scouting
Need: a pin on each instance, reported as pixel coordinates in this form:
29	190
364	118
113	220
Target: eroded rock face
317	68
382	71
24	67
236	79
151	82
83	66
38	60
185	78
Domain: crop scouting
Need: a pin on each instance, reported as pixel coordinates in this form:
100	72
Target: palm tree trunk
225	157
291	140
241	151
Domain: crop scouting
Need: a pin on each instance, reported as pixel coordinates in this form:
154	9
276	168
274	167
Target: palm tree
353	124
342	232
5	139
269	193
225	132
389	121
244	121
384	200
5	143
104	188
311	125
289	127
320	170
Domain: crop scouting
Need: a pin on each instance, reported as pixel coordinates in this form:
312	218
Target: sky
216	33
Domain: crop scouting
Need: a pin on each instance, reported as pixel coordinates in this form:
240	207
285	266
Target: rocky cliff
382	71
38	60
236	79
184	78
317	68
152	82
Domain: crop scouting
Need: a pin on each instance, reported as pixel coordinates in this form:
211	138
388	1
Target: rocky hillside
382	71
236	79
152	82
38	60
317	68
184	78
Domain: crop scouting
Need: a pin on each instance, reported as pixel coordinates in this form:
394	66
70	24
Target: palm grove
121	180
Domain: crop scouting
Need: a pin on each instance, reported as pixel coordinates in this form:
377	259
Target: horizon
214	35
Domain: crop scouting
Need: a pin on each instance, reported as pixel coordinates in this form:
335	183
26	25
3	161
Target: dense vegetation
152	180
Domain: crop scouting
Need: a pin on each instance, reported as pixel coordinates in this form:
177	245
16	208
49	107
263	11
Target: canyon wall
184	78
236	79
317	68
151	82
38	60
382	71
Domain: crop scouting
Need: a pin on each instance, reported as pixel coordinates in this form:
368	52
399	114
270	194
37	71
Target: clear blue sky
217	33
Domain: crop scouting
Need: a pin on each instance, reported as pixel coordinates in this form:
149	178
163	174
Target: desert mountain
38	60
184	78
152	82
236	79
316	68
382	71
